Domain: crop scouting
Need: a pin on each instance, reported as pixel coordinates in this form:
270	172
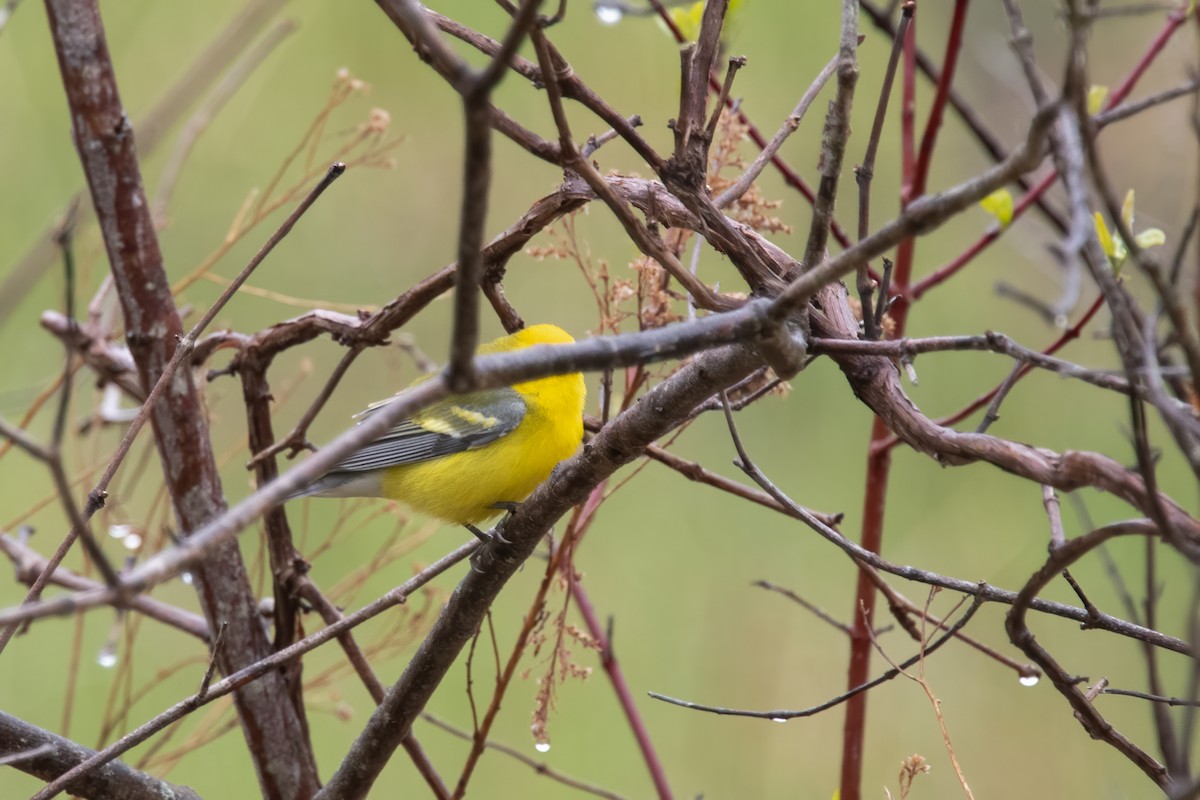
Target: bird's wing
459	423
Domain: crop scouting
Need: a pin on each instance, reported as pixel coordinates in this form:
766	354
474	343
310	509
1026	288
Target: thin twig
923	682
1022	637
865	171
784	714
789	126
815	610
476	89
1154	698
993	411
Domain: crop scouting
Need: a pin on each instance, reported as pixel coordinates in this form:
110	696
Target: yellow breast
464	487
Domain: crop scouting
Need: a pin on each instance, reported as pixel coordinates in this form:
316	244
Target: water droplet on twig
107	657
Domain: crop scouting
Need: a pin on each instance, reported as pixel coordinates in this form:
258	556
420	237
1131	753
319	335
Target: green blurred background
670	561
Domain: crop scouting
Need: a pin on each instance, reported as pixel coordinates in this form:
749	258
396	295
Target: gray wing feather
463	422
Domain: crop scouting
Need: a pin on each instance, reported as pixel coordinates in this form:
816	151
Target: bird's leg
510	508
503	505
480	535
486	538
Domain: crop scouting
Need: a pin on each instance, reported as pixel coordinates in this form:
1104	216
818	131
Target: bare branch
43	754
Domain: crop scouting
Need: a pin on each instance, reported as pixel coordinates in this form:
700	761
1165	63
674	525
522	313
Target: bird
470	456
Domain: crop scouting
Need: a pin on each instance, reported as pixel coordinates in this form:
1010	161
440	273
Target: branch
29	564
1019	633
45	755
276	736
784	714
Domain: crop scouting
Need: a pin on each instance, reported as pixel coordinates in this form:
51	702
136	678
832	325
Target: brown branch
651	198
834	138
573	87
691	147
476	89
1018	631
877	384
417	27
581	518
28	565
493	370
24	442
865	171
48	756
754	321
990	341
110	360
331	614
183	350
276	738
735	63
286	564
867	558
646	239
374	329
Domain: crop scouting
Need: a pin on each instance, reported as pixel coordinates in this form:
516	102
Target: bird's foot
487	537
510	508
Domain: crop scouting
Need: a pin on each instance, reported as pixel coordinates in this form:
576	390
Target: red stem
915	172
878	468
1174	20
915	178
879	460
940	97
1118	95
607	660
581	519
615	676
940	275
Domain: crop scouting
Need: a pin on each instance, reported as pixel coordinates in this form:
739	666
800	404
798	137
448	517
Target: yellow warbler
469	456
